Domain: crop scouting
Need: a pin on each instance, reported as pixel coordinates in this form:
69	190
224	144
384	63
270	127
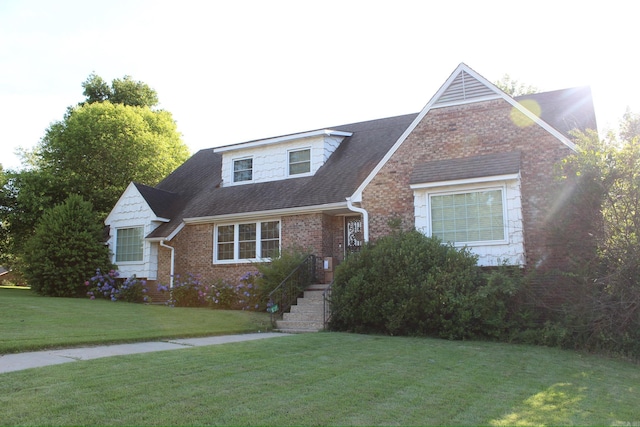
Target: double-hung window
247	241
466	217
129	244
242	170
299	161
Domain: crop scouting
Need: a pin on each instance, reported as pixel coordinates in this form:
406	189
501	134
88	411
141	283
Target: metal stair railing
326	304
287	292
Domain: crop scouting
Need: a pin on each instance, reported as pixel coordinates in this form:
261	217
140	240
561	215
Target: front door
353	234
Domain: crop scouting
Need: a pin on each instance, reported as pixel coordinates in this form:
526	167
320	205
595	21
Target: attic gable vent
464	87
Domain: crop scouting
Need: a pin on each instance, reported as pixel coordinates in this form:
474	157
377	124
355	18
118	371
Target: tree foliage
65	249
99	147
599	308
513	87
124	91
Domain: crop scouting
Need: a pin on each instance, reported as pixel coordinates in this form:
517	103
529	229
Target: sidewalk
20	361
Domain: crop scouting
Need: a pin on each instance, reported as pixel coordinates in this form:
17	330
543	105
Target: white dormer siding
270	157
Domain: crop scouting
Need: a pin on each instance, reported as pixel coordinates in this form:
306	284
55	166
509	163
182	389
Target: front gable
475	168
465	86
129	222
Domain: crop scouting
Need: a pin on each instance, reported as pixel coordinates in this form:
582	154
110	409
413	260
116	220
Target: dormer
284	157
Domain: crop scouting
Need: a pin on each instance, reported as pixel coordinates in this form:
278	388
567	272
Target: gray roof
163	203
336	180
566	109
194	189
466	168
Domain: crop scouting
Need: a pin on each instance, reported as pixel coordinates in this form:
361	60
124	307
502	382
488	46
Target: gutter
365	218
173	252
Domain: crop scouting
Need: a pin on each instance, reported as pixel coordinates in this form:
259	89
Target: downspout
172	249
365	218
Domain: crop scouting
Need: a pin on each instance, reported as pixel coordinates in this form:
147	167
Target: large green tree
100	147
113	137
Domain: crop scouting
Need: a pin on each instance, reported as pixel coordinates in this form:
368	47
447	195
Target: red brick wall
318	234
465	131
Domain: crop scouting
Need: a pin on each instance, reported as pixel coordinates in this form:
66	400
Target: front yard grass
31	322
330	379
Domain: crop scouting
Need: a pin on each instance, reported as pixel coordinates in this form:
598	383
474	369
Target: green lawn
309	379
31	322
330	379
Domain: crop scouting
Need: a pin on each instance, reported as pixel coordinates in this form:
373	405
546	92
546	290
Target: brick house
473	167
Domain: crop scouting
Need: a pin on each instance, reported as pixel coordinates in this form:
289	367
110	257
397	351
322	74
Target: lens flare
521	120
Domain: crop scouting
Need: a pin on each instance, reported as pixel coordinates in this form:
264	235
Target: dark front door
353	234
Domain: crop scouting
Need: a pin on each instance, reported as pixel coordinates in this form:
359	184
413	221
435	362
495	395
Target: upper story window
243	170
129	244
247	241
464	217
299	161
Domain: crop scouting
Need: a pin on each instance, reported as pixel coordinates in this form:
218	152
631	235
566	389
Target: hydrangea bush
192	291
110	286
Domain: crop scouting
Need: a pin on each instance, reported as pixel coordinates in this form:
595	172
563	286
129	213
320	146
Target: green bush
271	274
410	284
65	249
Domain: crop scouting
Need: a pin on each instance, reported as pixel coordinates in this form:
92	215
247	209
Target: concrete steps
307	315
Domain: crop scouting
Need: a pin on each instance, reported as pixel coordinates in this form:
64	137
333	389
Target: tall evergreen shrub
66	248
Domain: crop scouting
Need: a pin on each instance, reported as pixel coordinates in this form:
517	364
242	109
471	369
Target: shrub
109	286
194	292
66	247
410	284
189	292
271	274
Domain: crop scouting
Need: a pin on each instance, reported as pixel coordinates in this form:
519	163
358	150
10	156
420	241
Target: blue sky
232	71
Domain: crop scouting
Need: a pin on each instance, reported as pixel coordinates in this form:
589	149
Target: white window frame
294	150
236	241
491	253
505	218
117	239
233	169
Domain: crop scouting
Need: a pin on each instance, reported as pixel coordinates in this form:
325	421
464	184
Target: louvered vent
464	87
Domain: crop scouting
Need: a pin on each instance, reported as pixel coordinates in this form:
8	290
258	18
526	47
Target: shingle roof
163	203
466	168
565	109
198	180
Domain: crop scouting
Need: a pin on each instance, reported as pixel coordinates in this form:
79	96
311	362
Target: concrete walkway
20	361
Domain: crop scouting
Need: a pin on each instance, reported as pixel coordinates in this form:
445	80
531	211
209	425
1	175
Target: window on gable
129	244
247	241
474	216
242	170
299	161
